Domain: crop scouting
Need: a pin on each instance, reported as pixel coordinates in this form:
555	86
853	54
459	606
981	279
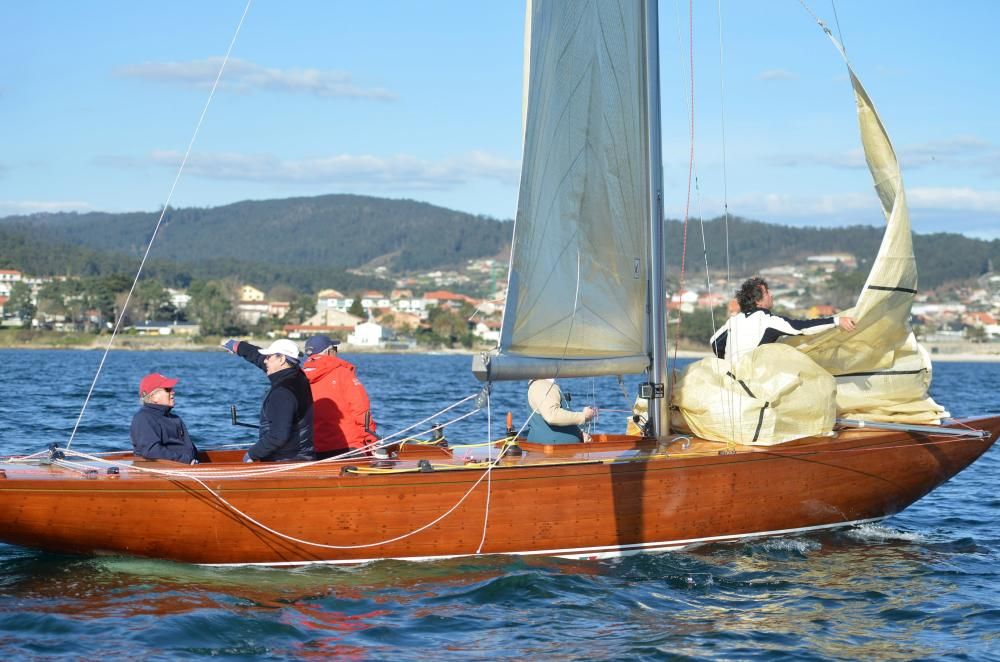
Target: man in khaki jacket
553	422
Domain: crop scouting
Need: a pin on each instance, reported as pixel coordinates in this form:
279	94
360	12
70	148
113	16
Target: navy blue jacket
159	435
286	416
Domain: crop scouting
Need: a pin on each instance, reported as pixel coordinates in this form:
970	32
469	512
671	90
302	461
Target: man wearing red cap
158	434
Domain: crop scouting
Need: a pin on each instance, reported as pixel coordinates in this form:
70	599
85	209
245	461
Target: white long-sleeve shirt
744	332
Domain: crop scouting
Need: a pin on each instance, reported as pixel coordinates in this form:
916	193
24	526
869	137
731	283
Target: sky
422	100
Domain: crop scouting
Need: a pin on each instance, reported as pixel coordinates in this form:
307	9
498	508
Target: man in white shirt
756	325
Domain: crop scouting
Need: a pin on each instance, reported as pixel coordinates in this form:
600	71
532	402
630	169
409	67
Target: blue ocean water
921	585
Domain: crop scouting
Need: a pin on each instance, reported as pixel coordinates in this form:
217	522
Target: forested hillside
753	245
25	251
308	243
339	231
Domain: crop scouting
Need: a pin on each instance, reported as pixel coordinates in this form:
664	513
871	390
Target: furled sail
882	372
576	297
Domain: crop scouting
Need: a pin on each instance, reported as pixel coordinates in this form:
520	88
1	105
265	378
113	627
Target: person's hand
847	323
194	461
230	345
247	458
589	413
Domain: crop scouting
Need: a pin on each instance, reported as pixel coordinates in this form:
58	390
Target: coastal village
425	310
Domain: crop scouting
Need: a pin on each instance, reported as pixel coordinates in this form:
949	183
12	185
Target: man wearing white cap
286	416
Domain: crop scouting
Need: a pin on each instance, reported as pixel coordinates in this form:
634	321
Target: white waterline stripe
577	553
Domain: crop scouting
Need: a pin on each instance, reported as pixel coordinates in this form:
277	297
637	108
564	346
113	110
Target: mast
655	389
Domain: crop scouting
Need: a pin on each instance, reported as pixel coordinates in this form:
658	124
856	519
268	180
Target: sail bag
771	395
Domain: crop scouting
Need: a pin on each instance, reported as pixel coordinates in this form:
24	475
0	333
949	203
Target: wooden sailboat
584	299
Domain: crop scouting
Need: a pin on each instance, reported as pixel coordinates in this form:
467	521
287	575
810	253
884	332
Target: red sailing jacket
340	403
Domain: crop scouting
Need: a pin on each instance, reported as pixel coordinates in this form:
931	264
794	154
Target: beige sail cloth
751	402
882	373
577	288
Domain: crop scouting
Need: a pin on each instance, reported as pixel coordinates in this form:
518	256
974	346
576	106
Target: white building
373	299
251	312
368	334
332	300
148	328
488	332
250	293
179	299
7	279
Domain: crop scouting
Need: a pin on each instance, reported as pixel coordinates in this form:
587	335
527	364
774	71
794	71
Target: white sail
577	291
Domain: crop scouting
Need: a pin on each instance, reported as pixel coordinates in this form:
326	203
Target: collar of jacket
283	374
162	410
325	361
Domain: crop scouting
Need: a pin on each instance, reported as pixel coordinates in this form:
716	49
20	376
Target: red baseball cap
153	381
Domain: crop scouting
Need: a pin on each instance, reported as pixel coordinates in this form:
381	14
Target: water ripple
919	586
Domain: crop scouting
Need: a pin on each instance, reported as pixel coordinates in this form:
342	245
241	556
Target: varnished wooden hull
609	497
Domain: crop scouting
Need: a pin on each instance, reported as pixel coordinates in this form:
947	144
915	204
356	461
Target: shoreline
939	353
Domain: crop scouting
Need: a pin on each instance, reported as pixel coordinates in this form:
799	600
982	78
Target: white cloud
771	205
958	199
17	207
247	77
777	74
359	170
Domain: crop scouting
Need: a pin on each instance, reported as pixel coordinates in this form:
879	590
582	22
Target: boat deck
604	449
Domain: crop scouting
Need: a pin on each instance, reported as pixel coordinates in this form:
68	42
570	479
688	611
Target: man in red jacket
340	402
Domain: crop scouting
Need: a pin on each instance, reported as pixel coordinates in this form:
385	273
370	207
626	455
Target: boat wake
879	532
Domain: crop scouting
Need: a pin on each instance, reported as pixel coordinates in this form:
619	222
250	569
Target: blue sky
421	100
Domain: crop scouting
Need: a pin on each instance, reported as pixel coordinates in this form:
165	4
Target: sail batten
577	286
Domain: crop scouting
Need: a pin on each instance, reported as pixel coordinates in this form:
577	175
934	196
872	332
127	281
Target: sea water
922	584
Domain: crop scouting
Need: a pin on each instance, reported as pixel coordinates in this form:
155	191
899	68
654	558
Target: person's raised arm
244	350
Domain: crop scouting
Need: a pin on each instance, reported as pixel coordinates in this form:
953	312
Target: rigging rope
159	222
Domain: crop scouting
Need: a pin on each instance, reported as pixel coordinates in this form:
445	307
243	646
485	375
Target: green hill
753	245
340	231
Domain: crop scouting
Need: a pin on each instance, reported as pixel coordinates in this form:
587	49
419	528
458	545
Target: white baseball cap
282	346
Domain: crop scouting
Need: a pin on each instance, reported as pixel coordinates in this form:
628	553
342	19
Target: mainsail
577	292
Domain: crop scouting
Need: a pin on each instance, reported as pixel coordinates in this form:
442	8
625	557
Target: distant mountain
339	231
309	243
